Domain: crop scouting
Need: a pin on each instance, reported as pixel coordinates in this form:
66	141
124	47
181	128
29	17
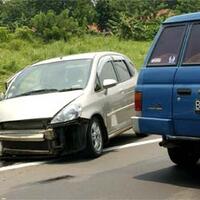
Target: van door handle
184	91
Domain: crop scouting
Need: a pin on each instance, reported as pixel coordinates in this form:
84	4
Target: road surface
130	168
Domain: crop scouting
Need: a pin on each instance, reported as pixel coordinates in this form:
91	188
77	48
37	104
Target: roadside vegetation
18	53
33	30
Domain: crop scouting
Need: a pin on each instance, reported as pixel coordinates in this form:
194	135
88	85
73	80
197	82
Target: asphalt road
138	170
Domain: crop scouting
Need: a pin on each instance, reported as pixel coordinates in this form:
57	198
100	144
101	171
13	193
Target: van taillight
138	101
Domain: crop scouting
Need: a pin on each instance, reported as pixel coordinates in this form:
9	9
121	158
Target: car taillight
138	101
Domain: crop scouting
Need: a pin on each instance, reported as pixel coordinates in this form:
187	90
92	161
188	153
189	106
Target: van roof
183	18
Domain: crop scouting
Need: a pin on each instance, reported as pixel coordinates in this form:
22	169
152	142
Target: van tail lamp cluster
138	101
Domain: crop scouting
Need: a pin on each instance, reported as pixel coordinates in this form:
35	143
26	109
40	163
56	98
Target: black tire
141	135
183	157
94	139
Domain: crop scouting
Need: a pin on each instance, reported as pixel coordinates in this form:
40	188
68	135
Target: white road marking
17	166
134	144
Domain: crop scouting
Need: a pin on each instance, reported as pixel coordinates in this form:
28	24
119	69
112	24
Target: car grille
25	124
26	145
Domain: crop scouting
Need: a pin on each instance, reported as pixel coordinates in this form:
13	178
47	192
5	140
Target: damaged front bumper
52	141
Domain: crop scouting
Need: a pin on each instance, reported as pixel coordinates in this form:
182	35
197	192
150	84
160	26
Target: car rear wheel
141	135
183	156
94	139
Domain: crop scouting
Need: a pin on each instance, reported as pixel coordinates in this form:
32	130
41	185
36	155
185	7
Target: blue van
167	96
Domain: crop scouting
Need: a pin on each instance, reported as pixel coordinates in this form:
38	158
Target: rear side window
192	55
167	49
122	70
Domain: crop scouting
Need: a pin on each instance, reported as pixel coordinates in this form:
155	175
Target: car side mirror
2	96
108	83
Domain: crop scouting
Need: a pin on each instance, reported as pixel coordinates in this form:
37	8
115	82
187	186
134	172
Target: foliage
24	33
134	19
186	6
4	34
17	53
55	27
16	13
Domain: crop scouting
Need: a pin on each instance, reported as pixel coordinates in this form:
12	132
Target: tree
50	26
105	12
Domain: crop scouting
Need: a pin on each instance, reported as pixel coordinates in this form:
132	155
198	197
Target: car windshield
52	77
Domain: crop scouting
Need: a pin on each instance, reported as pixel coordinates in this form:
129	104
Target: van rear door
187	88
156	81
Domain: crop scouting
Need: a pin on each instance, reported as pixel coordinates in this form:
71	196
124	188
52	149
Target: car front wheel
94	139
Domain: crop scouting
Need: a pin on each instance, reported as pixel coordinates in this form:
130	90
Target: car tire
94	139
141	135
183	157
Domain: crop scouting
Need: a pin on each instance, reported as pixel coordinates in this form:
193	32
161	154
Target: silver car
67	104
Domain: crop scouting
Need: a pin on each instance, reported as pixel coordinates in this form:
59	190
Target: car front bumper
63	139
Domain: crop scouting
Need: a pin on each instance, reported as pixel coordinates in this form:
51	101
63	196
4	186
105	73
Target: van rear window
166	51
192	55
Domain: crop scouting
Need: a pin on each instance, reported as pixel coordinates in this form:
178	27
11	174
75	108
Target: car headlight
67	113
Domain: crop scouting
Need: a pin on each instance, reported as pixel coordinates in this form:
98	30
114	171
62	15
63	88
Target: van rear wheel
183	156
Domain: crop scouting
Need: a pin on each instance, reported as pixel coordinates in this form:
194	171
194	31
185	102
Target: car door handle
184	91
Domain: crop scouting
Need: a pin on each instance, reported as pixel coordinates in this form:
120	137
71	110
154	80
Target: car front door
111	96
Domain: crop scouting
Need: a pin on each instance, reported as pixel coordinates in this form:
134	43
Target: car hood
35	106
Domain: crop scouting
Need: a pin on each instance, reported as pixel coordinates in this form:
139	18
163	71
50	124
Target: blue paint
183	18
164	110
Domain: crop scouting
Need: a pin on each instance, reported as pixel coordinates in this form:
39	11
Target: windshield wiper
42	91
37	91
69	89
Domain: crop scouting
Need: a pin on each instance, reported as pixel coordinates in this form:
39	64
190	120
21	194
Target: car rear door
187	87
156	80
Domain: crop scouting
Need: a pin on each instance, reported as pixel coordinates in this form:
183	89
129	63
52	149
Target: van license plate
197	106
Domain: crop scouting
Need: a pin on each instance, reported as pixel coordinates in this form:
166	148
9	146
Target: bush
132	27
4	34
24	33
55	27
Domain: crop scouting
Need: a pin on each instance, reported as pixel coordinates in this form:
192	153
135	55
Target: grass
16	54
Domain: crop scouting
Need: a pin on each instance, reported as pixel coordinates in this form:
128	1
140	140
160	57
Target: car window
192	55
131	68
60	75
167	49
107	72
122	70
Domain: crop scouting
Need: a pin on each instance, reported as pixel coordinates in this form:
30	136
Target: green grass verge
16	54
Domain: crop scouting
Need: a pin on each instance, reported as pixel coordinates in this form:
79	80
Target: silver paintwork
115	105
35	106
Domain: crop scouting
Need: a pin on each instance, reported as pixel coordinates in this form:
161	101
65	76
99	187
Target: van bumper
150	125
169	141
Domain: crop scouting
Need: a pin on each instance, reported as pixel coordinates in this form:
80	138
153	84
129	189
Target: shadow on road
125	138
175	176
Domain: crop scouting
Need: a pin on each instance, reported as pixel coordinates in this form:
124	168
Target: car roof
183	18
91	55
